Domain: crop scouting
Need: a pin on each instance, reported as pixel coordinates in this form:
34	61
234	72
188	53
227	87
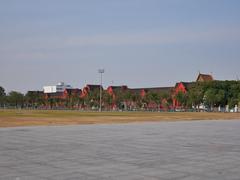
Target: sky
139	43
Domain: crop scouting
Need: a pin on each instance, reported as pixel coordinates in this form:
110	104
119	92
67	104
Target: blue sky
141	43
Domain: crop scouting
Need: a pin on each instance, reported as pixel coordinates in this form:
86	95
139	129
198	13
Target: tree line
207	94
211	94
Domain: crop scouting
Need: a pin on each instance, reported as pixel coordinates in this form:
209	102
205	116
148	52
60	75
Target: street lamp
101	71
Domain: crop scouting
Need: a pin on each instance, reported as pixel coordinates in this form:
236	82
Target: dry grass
13	118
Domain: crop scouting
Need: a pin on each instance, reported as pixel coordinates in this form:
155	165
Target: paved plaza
196	150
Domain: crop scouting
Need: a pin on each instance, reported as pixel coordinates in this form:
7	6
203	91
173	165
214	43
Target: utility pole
100	71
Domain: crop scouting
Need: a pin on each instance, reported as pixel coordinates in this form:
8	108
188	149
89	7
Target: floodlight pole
100	71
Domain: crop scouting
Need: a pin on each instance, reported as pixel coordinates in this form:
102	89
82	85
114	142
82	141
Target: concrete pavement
197	150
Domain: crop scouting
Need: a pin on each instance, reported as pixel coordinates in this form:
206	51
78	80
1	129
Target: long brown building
114	91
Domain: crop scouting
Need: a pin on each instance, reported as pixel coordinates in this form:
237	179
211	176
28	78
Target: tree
233	94
166	99
92	99
154	98
79	101
107	99
210	97
119	98
136	98
195	95
2	96
181	98
73	100
127	99
34	99
2	92
51	102
15	99
220	97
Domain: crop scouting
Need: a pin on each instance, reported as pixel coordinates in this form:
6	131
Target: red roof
204	77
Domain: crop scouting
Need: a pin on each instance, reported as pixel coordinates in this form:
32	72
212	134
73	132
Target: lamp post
100	71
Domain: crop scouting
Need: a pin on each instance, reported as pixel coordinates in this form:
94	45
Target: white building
60	87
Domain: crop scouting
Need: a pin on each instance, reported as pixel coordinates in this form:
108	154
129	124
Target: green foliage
215	93
181	98
16	99
153	97
210	97
195	95
2	92
119	98
73	100
92	99
212	94
34	99
107	99
2	96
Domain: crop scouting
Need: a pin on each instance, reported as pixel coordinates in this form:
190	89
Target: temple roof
204	77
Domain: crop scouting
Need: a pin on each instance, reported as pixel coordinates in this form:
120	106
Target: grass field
13	118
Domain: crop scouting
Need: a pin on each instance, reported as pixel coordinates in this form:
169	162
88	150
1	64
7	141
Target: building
204	78
185	86
90	88
181	87
113	90
60	87
69	93
130	98
160	90
135	93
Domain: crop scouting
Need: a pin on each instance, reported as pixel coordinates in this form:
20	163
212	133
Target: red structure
158	90
90	88
113	91
181	87
185	86
72	93
67	93
141	92
60	99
